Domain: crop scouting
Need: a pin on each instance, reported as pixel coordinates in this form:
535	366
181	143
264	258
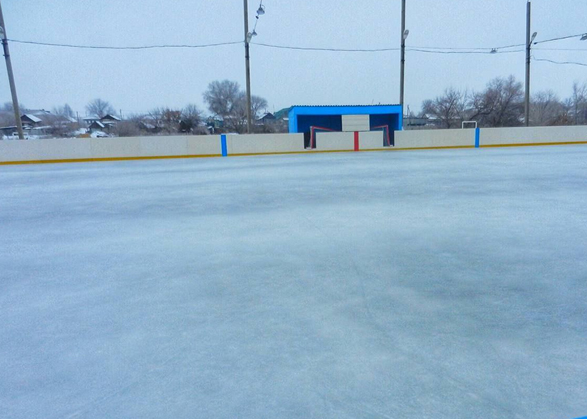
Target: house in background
30	121
96	126
109	121
106	123
266	119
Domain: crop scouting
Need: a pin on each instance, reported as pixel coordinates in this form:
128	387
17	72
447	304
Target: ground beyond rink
420	284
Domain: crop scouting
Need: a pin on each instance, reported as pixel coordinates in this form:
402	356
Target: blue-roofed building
312	119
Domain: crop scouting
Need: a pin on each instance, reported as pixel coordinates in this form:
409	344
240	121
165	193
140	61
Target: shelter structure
358	118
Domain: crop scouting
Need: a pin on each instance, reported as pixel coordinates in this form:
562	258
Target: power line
561	62
325	49
561	49
48	44
433	50
471	48
451	52
426	50
559	39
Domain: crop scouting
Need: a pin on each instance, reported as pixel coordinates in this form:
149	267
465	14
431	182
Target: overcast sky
136	81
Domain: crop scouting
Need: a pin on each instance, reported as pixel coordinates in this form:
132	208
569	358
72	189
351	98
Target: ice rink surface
427	284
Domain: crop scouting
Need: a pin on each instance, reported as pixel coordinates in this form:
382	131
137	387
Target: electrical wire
324	49
561	62
471	49
559	39
449	52
426	50
561	49
423	50
48	44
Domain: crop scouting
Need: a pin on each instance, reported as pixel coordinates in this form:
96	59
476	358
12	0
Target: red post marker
356	141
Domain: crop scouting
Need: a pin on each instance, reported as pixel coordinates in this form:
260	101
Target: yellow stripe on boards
533	144
107	159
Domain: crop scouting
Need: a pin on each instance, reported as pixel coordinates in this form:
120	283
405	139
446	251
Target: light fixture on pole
261	10
250	35
584	37
529	40
15	106
404	36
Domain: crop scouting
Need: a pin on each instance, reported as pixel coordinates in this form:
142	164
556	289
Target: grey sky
136	81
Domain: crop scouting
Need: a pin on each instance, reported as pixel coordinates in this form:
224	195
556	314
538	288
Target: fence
98	149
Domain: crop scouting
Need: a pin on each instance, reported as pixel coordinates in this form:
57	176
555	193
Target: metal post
528	58
403	56
10	76
248	66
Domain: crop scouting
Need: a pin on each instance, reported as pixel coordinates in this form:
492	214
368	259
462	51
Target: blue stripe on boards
477	137
223	145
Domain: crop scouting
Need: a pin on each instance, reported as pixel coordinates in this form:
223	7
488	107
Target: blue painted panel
298	121
333	122
477	137
223	145
389	119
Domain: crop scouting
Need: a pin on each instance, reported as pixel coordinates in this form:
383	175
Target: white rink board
335	141
435	138
371	140
265	143
533	135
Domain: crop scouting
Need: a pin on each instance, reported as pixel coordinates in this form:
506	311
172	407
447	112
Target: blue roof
344	110
343	106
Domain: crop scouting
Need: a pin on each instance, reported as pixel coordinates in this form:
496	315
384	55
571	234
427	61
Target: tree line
226	103
501	104
225	100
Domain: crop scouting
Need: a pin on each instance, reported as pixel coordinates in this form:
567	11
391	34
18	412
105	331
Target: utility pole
248	66
529	40
10	76
403	55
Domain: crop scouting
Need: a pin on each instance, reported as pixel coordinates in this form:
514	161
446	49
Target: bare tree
128	128
64	110
155	117
546	109
165	119
7	107
99	108
578	103
449	108
191	117
258	106
500	104
226	100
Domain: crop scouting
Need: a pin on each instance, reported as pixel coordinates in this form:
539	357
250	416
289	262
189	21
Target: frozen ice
425	284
